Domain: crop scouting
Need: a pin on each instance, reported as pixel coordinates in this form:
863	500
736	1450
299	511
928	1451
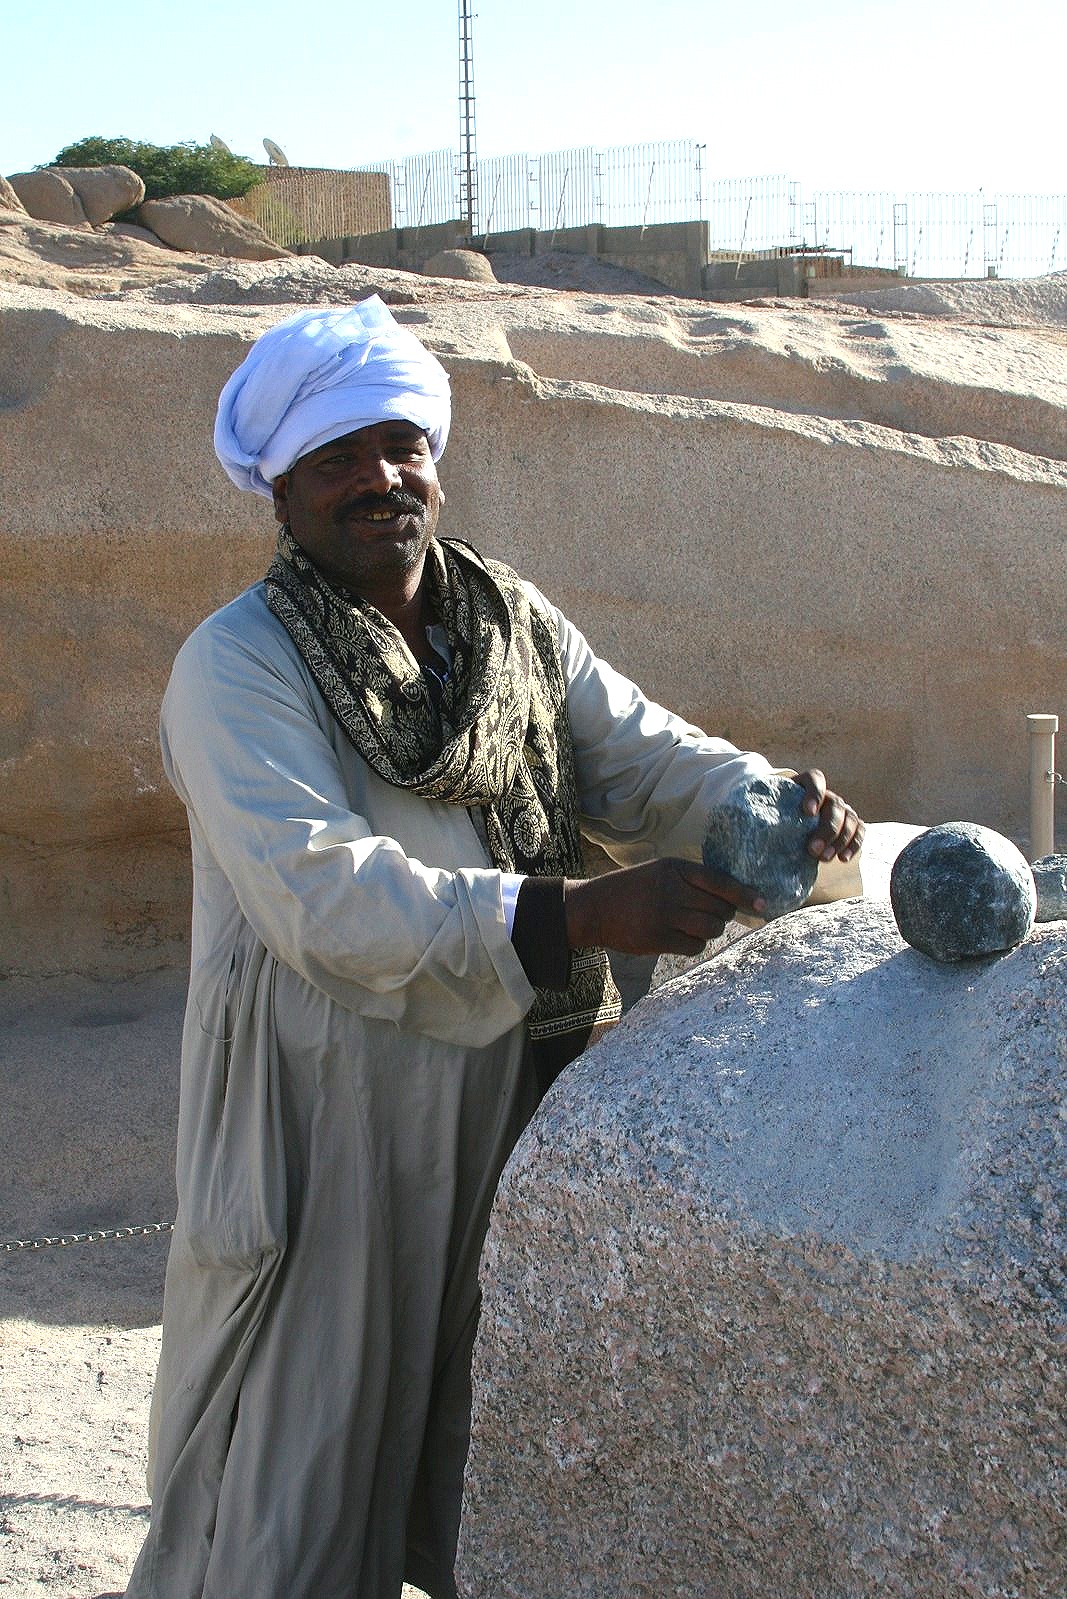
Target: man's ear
280	491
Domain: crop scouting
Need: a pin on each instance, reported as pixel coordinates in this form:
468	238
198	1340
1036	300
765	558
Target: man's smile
381	508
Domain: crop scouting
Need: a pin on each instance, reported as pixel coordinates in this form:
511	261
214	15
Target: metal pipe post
1043	730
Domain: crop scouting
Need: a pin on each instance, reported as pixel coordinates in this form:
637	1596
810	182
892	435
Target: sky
946	95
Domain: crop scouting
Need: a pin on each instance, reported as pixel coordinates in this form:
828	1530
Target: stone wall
886	603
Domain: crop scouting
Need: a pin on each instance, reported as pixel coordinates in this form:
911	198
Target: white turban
319	375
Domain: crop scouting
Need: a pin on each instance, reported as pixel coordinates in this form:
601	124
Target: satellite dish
220	144
278	157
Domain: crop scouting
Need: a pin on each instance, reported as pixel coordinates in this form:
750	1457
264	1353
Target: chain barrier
98	1236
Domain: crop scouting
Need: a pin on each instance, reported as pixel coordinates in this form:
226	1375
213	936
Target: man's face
364	506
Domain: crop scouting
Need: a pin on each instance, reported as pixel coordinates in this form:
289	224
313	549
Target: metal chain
99	1236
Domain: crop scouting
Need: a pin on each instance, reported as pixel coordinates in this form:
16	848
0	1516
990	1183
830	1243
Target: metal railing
924	234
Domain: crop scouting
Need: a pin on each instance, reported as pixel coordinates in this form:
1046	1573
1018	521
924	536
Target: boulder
9	200
774	1287
47	195
208	226
469	265
960	891
104	191
760	837
1050	879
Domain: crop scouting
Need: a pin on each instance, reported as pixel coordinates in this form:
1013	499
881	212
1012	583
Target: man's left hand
840	831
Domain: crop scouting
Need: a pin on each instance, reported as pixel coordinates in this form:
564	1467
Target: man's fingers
840	831
824	839
702	923
855	837
713	886
814	785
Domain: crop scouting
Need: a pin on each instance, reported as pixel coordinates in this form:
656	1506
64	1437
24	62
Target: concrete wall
886	605
674	253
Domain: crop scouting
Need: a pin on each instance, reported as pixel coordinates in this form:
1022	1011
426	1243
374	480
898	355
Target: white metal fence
926	234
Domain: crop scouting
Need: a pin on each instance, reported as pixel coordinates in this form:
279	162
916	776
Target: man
388	750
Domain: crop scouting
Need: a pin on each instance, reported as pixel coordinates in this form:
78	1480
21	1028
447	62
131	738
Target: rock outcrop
48	195
77	196
9	200
774	1287
90	197
207	226
87	262
104	191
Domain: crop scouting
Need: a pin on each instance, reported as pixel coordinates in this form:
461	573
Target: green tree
168	168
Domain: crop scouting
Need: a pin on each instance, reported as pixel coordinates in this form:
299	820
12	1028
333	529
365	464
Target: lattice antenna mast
468	160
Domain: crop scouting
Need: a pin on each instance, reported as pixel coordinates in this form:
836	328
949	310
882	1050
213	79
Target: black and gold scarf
495	738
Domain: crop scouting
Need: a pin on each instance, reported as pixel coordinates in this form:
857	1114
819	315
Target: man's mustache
397	502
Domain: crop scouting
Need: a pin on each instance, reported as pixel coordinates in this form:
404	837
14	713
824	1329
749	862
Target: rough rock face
760	837
84	261
50	197
717	596
134	230
961	891
468	265
9	200
207	226
1050	879
104	191
774	1285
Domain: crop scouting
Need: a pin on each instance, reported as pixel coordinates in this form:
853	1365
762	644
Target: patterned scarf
496	738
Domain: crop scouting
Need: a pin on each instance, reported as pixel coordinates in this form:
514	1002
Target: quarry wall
881	602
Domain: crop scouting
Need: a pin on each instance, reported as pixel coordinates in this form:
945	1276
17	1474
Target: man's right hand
668	907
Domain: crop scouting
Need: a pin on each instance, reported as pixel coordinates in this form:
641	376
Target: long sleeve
346	906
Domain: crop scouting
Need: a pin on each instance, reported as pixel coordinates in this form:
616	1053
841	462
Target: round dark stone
1050	876
759	837
960	891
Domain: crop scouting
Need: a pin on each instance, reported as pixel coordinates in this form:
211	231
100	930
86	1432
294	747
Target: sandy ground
89	1075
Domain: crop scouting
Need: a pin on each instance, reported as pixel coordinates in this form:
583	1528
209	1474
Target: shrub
168	168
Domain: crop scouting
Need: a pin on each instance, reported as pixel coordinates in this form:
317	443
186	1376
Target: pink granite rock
774	1287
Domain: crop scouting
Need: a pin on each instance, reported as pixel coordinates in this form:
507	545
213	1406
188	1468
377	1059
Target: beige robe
353	1081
